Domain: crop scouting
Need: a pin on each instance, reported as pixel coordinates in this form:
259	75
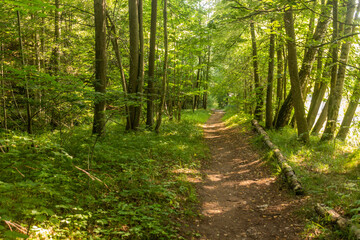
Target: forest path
239	197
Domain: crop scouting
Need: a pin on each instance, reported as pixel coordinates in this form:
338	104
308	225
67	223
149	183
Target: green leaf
14	235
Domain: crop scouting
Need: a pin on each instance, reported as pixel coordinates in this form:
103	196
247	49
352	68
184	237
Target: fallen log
336	218
289	173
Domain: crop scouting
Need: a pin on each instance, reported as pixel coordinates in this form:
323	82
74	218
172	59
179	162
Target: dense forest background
94	94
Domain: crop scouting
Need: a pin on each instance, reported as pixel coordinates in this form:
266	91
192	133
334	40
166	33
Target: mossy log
336	218
289	173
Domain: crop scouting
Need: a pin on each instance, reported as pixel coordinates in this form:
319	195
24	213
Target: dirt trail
240	199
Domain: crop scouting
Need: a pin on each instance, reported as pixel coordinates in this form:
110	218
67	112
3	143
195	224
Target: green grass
121	186
329	172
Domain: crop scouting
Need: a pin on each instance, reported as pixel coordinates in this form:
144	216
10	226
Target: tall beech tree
151	71
258	87
100	66
303	132
270	78
165	69
135	68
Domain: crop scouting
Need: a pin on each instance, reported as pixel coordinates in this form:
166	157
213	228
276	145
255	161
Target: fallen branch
92	177
289	173
336	218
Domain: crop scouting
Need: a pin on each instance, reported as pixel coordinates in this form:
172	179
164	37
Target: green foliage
122	186
234	117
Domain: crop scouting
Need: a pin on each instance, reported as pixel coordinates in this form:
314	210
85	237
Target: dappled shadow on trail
240	199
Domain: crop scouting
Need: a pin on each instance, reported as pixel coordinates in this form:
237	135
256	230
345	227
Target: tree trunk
207	78
150	88
319	90
3	97
115	44
308	60
140	78
280	67
100	66
258	88
27	94
294	77
269	88
321	120
350	112
134	60
57	38
165	66
337	85
197	86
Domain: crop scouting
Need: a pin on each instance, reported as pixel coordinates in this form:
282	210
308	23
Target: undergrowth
121	186
329	172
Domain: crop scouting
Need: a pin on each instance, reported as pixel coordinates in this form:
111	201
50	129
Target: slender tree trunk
320	87
269	89
321	120
55	61
150	88
337	86
205	99
294	77
140	80
284	74
258	88
42	43
134	59
308	60
196	87
279	78
100	66
3	97
350	112
165	66
56	51
115	44
27	95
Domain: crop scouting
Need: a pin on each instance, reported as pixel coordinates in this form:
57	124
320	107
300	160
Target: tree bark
350	112
115	44
150	88
269	88
57	38
280	67
100	66
134	60
205	97
3	97
258	88
320	87
294	77
337	85
197	86
140	79
321	120
165	66
27	94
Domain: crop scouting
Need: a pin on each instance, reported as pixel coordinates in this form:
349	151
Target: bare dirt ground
239	197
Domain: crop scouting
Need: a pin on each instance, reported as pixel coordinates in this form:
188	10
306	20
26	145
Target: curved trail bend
239	197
